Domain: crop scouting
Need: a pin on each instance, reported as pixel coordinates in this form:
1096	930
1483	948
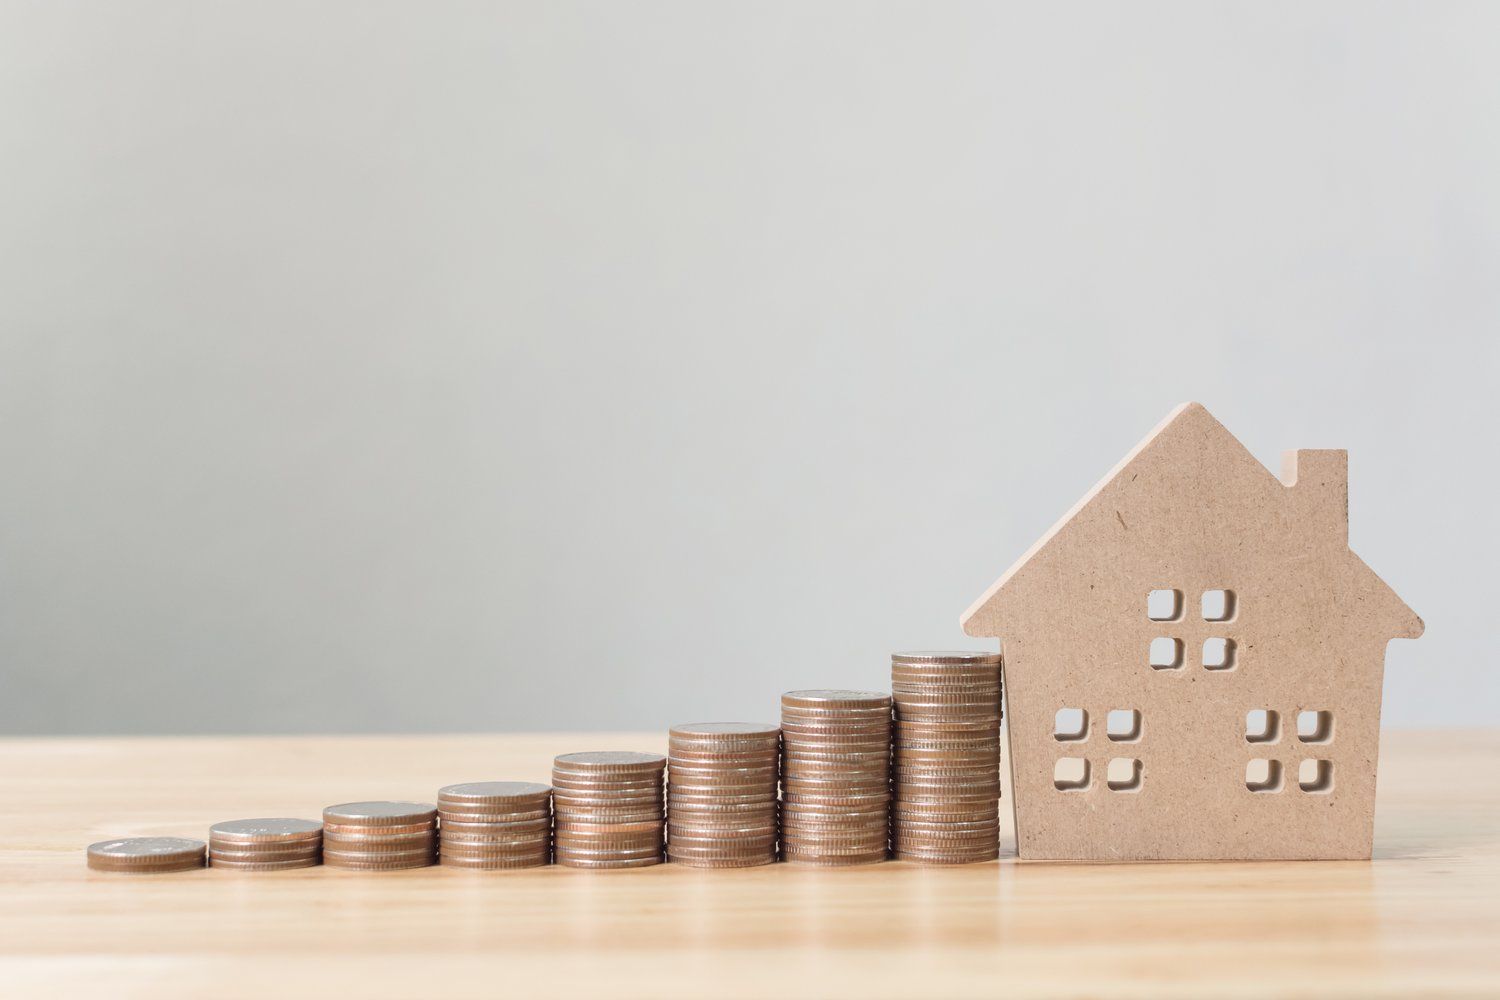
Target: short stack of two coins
380	836
609	809
835	784
946	757
721	794
495	824
265	844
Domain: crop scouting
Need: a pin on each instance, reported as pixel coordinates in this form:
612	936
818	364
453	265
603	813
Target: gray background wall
372	366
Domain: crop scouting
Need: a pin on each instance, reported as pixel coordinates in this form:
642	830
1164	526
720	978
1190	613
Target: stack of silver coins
609	809
495	824
721	794
147	855
835	783
946	774
380	836
265	845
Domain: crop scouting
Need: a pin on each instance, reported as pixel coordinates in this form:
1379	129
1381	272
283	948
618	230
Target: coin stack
265	844
835	784
946	774
721	794
147	855
609	809
495	824
380	836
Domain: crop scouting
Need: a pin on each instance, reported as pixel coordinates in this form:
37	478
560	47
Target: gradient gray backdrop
474	366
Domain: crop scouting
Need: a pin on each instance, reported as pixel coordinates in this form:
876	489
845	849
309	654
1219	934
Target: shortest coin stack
495	824
721	794
380	836
609	809
147	855
265	845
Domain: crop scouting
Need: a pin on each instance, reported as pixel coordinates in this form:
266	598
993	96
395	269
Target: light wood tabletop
1422	918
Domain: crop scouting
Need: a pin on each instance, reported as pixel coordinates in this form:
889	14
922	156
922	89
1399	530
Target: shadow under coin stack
380	836
946	774
495	824
265	845
835	785
721	794
147	855
609	809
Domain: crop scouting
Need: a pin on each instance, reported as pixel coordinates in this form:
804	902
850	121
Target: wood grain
1421	918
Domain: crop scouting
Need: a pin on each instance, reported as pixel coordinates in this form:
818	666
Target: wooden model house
1193	660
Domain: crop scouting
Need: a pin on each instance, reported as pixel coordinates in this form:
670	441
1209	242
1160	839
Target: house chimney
1319	482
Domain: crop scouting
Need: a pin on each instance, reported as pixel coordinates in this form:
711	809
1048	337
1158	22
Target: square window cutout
1070	725
1218	605
1164	605
1262	726
1315	776
1166	654
1314	727
1071	774
1263	775
1123	725
1218	654
1124	775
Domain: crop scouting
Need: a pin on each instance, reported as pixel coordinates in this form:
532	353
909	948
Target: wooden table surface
1422	918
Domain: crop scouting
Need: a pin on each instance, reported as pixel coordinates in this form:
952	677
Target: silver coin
381	813
147	849
493	791
265	829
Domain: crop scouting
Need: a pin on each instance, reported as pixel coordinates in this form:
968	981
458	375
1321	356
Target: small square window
1262	726
1315	727
1124	775
1218	605
1218	654
1315	776
1071	774
1071	725
1164	605
1123	725
1263	775
1166	654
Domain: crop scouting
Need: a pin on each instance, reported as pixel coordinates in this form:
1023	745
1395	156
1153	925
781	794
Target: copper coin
265	866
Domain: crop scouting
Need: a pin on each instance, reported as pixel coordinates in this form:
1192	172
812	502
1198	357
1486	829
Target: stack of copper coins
835	784
147	855
263	845
495	824
721	794
380	836
946	775
609	809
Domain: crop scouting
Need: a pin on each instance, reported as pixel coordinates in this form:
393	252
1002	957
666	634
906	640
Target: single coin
380	813
955	656
264	866
259	831
592	760
494	792
725	730
156	854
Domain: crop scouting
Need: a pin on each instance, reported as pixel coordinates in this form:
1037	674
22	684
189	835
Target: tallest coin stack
835	784
946	774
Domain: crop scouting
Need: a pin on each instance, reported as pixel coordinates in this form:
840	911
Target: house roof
1212	470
